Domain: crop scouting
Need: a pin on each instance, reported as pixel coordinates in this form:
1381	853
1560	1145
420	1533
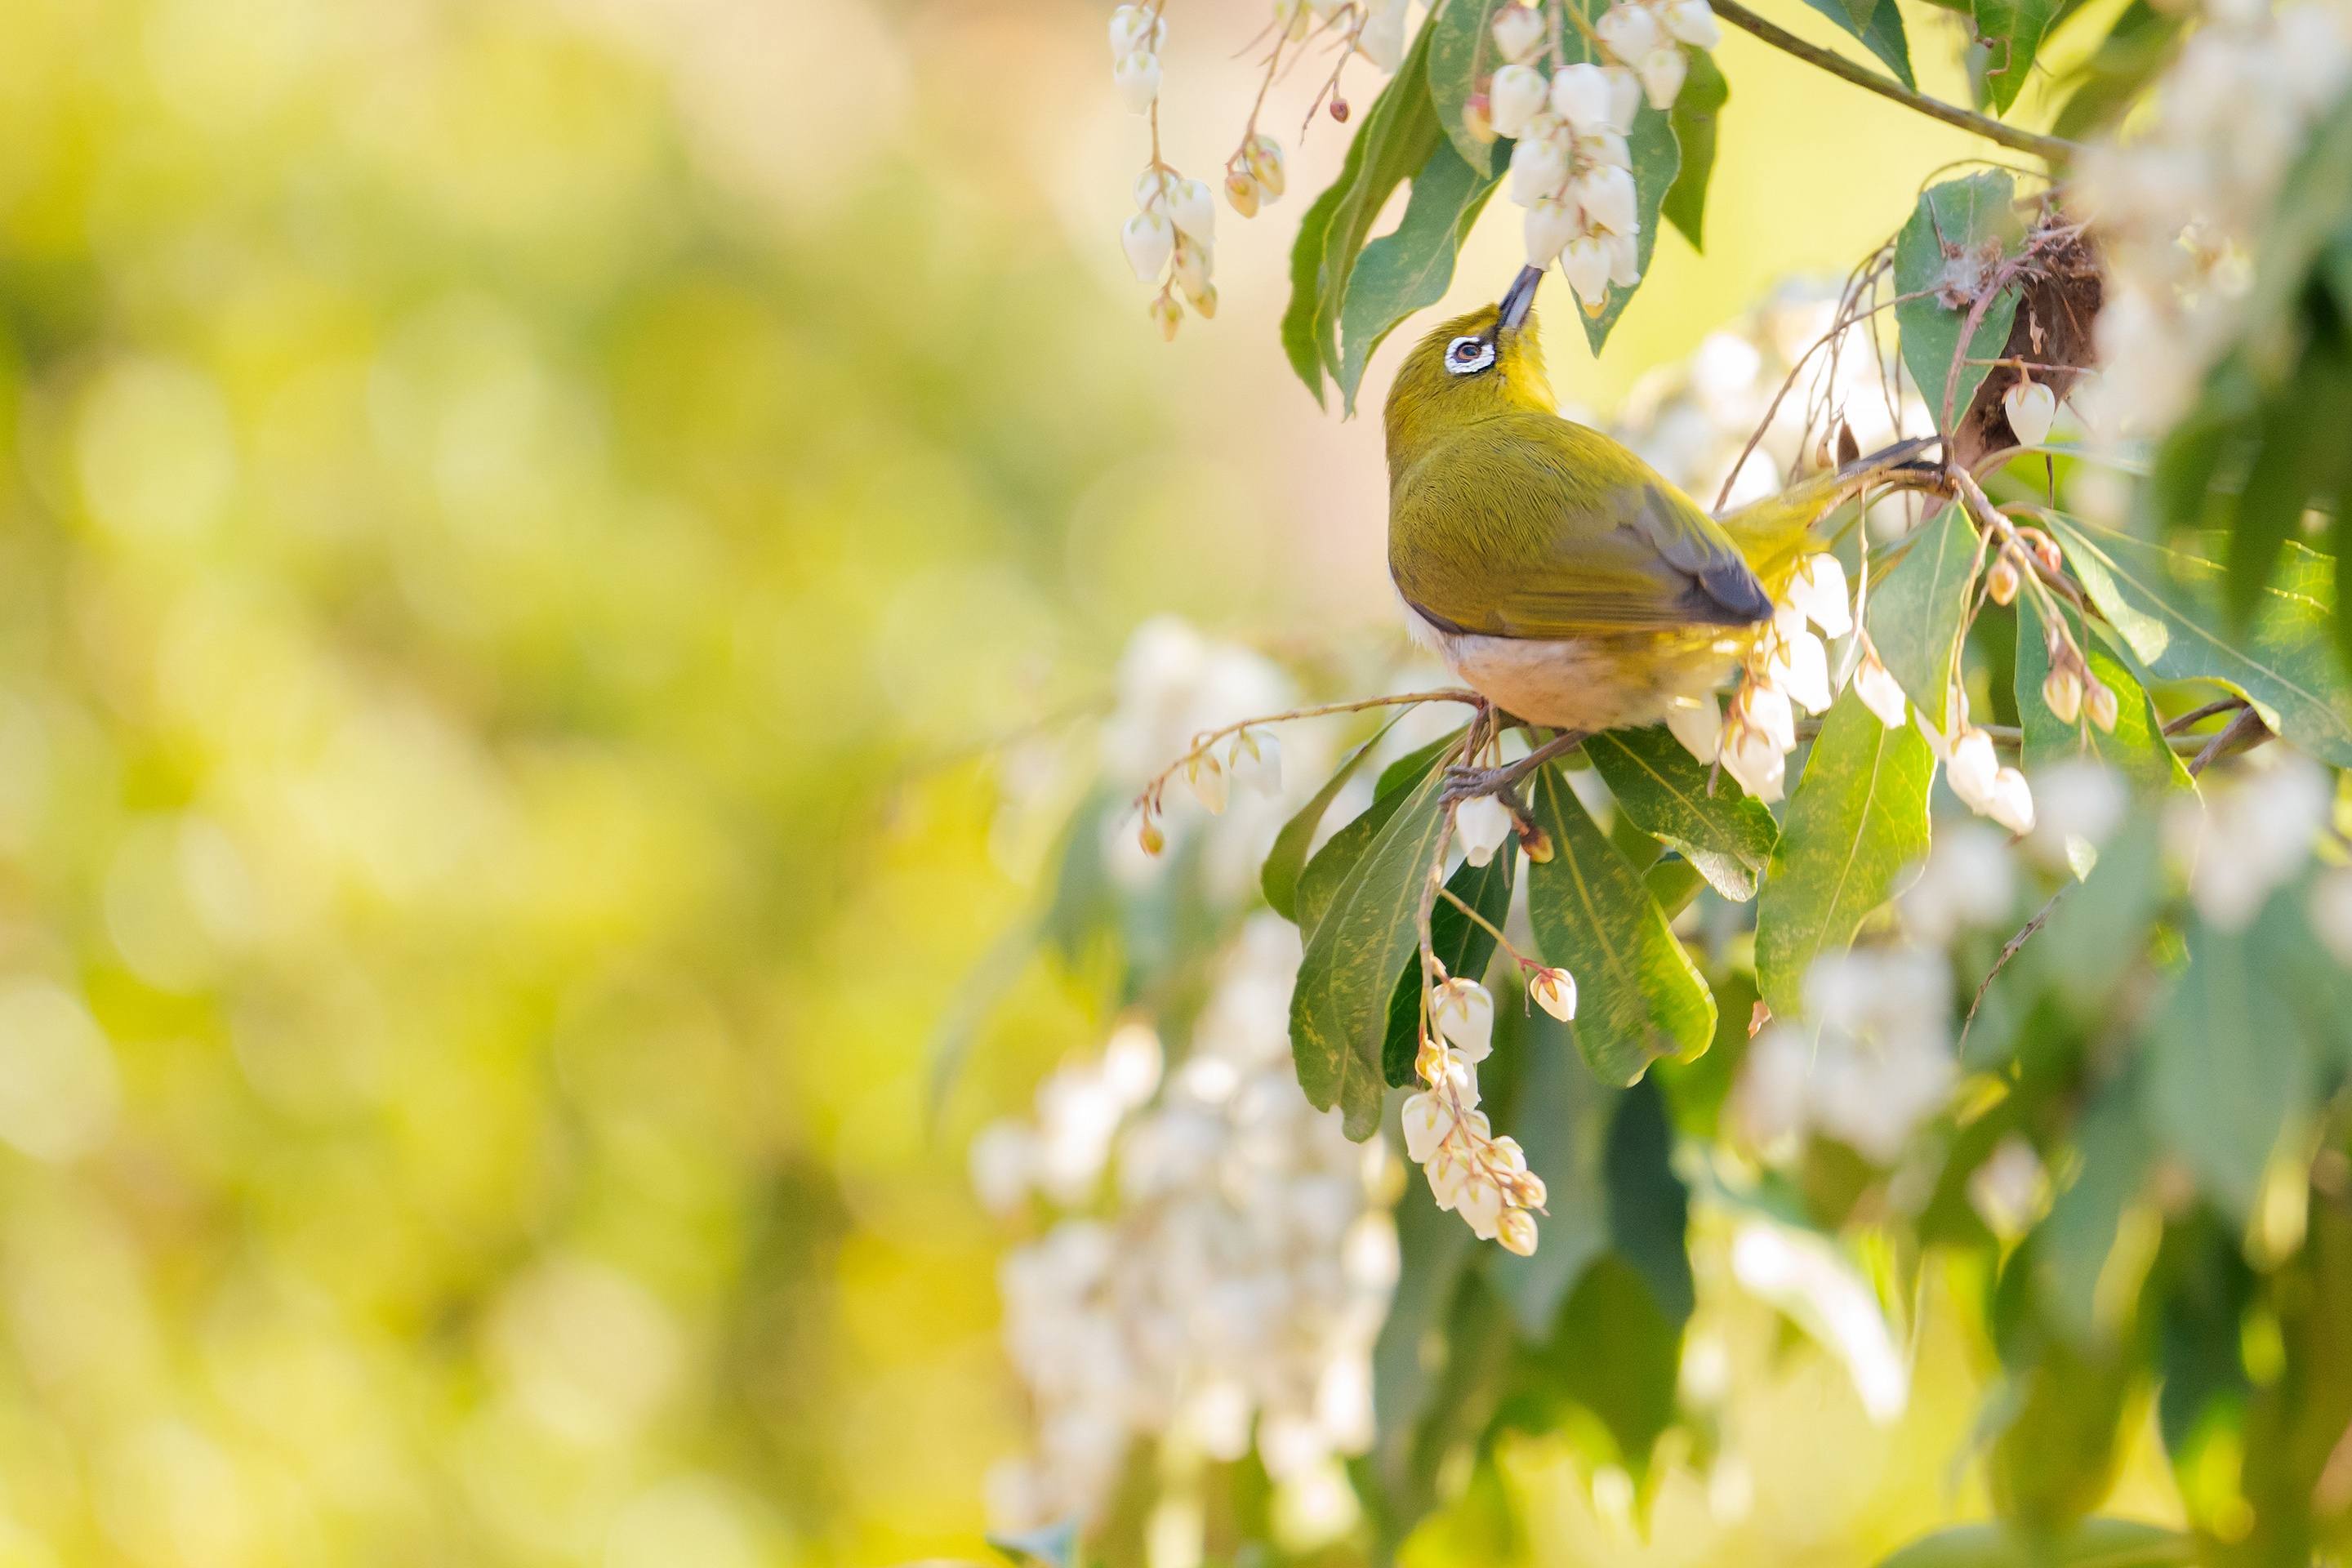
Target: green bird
1561	578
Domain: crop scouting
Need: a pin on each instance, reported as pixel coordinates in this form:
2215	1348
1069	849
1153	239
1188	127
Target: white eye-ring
1467	356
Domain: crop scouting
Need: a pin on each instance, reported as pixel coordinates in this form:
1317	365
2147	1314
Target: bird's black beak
1518	298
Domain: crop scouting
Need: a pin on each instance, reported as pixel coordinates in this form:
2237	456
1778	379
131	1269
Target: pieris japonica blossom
1515	97
1172	241
1871	1059
1463	1012
1483	826
1554	991
1818	589
1698	723
1519	32
2247	831
1969	879
2011	1191
1878	690
1254	175
1984	785
1254	761
2031	407
1787	667
1207	777
1136	76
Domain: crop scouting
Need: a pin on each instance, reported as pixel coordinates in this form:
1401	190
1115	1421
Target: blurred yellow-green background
522	524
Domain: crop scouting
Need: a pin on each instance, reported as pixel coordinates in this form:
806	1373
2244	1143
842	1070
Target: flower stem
1522	960
2052	149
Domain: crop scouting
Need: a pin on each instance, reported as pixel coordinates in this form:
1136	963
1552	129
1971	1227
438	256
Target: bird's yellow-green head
1471	368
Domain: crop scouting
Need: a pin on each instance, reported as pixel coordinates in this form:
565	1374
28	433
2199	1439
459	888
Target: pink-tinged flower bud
1518	32
1517	93
1662	71
1150	241
1555	991
1193	261
1191	210
2046	552
1463	1013
1168	314
1580	95
2099	701
2062	693
1134	28
1477	118
1241	194
1205	301
1607	197
1879	691
1631	32
2031	407
1624	258
1263	154
1551	224
1136	76
1338	110
1483	825
1586	263
1208	782
1517	1230
1693	23
2001	583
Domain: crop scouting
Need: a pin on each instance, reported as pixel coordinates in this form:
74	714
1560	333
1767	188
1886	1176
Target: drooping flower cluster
2183	203
1787	667
1871	1061
1571	167
1172	240
1472	1172
1230	1290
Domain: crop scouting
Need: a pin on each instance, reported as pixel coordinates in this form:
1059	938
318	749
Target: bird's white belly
1584	683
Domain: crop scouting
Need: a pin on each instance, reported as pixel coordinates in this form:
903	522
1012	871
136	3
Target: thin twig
2197	715
2051	149
2008	950
2239	729
1451	896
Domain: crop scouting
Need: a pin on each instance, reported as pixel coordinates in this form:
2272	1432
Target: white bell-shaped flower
1631	32
2031	407
1698	725
1662	71
1691	22
1586	263
1624	258
1766	710
1134	28
1750	756
1255	761
1518	32
1483	826
1137	75
1819	589
1972	769
1464	1014
1193	264
1513	98
1150	241
1580	95
1800	667
1555	991
1381	40
1192	209
1538	169
1607	197
1427	1122
1551	224
1879	691
1624	97
1208	782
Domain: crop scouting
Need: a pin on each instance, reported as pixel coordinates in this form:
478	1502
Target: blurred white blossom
1805	1277
2249	833
1870	1061
1968	879
2011	1190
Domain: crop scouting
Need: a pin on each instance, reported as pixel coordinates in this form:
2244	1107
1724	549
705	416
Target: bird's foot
1468	783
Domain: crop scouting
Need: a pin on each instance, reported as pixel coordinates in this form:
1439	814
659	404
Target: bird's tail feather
1773	533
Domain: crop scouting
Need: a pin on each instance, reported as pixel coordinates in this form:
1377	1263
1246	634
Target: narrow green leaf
2166	605
1859	816
1461	58
1343	849
1695	116
1919	611
1299	317
2076	1240
1657	163
1661	789
1338	1011
2137	749
1639	995
2302	441
2222	1077
1649	1208
2013	30
2134	50
1287	862
2093	1543
1617	1353
1460	943
1434	1248
1956	238
1409	268
1406	770
1879	26
1561	1118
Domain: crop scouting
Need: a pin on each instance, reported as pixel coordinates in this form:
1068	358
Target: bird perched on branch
1561	578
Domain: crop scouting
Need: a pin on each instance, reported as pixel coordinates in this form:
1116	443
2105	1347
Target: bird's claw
1468	783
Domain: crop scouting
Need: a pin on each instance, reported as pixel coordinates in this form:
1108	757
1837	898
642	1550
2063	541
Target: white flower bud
1517	93
1878	691
2012	801
1427	1122
2062	693
1483	825
1449	1173
1255	761
1604	148
1630	31
1150	241
1538	169
2031	407
1972	769
1517	1230
1382	39
1193	210
1800	667
1749	755
1167	315
1208	782
1518	32
1134	28
1607	197
1555	991
1481	1202
1767	712
1624	259
1692	23
1580	95
2099	702
1263	154
1193	261
1624	97
1464	1014
1551	224
1153	188
1241	191
1662	71
1136	76
1698	725
1587	266
1819	590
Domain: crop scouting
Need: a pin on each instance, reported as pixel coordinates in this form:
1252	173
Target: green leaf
1919	611
2099	931
1695	112
1406	770
1462	54
1287	862
1957	236
1673	882
1398	134
1859	816
1661	789
2077	1239
2166	605
1434	1248
2134	50
1460	943
1639	995
1338	1012
1616	1353
1343	849
1657	161
2299	457
1408	270
2222	1077
1649	1208
1561	1119
2022	26
2057	1456
1879	26
2137	749
2092	1543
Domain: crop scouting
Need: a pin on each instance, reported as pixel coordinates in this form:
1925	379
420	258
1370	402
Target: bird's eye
1465	356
